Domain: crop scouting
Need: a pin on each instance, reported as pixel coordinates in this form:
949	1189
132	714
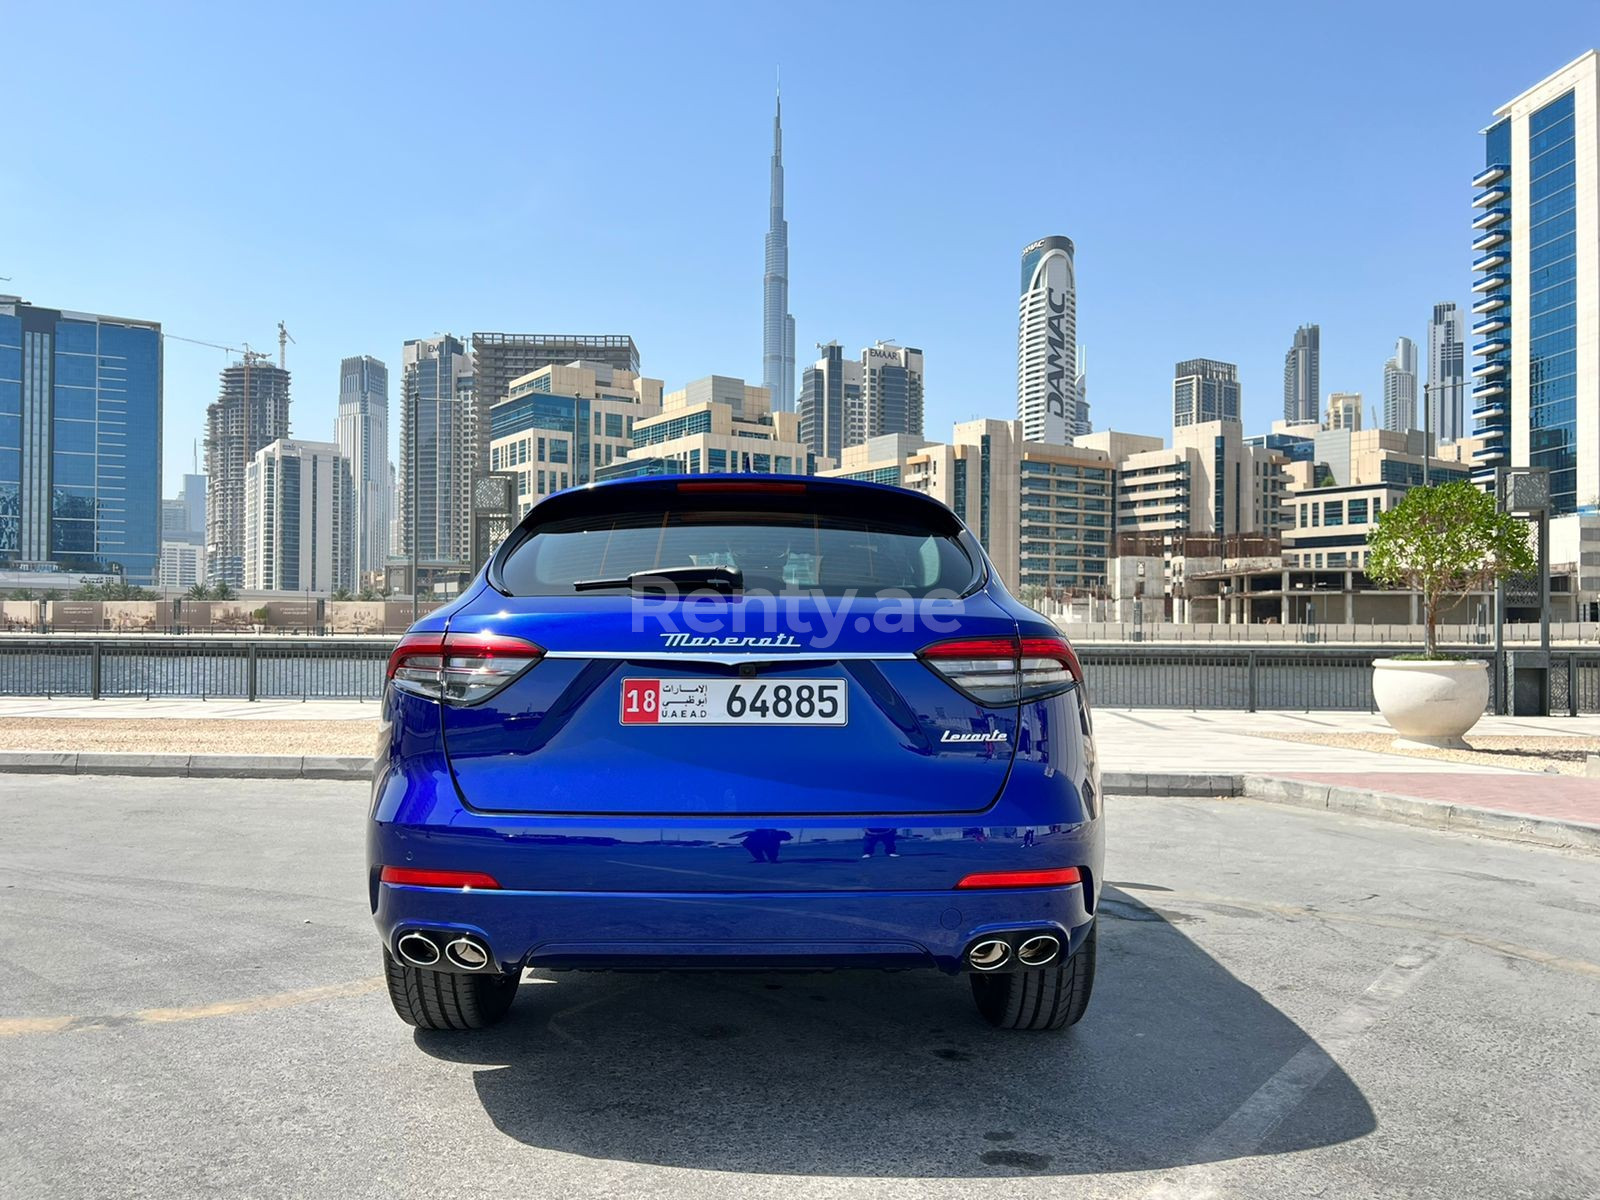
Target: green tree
368	592
198	591
1446	542
340	593
222	592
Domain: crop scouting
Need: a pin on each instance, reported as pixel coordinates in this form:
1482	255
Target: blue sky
370	174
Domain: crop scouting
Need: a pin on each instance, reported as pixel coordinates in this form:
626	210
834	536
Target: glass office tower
1536	381
80	442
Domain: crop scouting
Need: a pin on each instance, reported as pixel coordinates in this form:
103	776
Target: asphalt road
1289	1004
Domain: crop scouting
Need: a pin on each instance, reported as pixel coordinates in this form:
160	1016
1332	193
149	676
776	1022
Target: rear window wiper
671	580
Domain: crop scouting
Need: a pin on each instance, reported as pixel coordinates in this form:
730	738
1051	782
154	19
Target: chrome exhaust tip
1039	950
467	953
989	955
417	949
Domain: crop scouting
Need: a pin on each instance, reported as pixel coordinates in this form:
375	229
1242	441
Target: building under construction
251	411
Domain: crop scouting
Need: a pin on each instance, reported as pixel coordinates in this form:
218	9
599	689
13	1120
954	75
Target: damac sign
1055	361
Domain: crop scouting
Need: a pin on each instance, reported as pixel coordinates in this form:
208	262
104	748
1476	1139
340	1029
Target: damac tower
777	326
1047	344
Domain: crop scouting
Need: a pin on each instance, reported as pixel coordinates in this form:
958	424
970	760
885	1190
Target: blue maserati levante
736	723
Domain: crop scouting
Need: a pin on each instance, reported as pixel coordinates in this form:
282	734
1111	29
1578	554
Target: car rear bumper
750	891
749	930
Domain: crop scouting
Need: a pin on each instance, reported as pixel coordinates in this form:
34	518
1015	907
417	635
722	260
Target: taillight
1048	665
459	668
421	877
1049	877
1005	670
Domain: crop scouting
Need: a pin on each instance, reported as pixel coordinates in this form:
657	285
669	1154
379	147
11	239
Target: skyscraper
1204	389
298	535
1400	387
183	519
362	434
1302	376
1536	393
843	402
777	326
183	536
1047	341
80	441
891	392
251	411
438	450
830	396
499	358
1446	384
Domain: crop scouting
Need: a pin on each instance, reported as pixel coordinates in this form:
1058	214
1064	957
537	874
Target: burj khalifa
777	326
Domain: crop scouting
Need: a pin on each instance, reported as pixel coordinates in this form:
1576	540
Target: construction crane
284	336
249	355
251	358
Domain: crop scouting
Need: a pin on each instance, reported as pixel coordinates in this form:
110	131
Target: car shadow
860	1073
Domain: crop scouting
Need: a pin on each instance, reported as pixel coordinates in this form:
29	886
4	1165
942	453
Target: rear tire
1049	998
446	1000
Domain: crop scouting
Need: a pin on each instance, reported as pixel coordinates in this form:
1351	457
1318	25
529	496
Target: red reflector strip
978	647
417	877
739	485
1057	877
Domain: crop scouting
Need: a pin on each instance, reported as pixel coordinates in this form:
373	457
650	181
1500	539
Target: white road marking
1249	1125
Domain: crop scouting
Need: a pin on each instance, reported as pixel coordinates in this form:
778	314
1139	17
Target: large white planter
1430	703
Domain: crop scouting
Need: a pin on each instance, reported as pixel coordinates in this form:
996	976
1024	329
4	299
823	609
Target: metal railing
1394	637
1286	678
277	668
1240	678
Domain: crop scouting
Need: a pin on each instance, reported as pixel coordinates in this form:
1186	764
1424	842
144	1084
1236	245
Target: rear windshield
776	551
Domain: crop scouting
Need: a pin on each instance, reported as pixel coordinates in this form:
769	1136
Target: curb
1427	814
187	766
1380	806
1140	783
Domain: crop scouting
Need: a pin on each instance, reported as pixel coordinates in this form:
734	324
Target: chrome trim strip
777	654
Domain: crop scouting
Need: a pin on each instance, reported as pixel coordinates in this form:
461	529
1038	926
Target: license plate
733	702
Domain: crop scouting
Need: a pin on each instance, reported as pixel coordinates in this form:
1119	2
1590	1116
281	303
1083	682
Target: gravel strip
1547	755
204	736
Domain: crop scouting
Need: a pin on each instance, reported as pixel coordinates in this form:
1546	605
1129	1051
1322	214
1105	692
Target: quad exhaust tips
446	950
1022	949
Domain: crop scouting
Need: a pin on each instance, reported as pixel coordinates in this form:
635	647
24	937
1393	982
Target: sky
373	173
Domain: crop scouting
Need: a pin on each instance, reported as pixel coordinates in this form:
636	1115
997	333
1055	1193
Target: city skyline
698	315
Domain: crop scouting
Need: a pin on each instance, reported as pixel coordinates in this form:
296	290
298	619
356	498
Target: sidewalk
1163	752
229	709
1178	742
